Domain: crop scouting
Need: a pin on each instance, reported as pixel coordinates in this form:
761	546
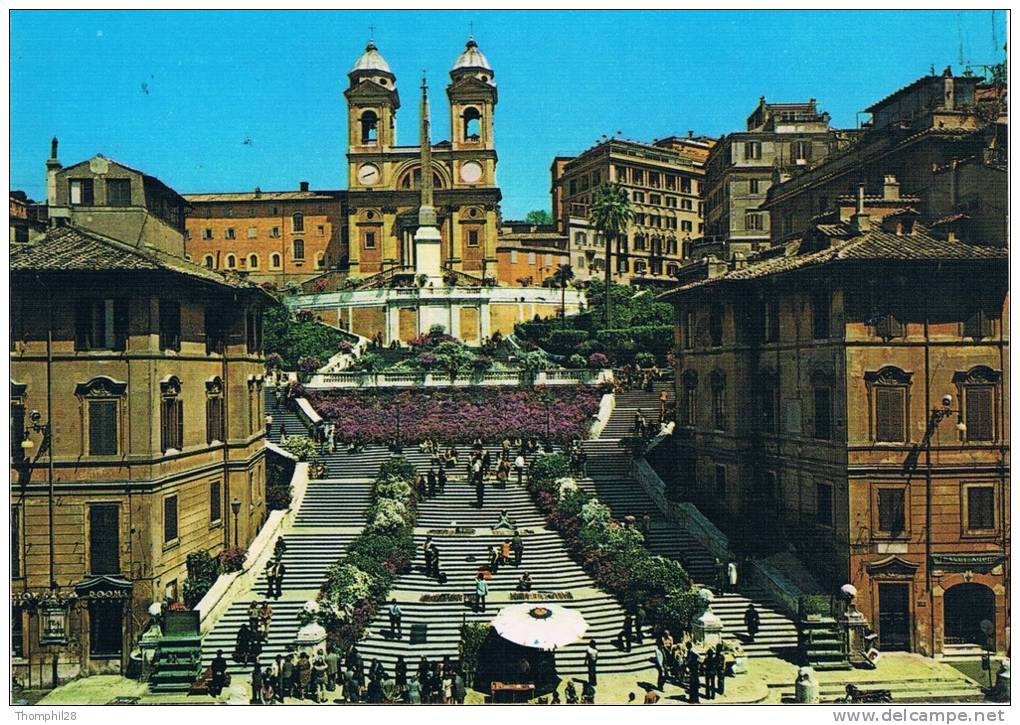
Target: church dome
471	58
371	61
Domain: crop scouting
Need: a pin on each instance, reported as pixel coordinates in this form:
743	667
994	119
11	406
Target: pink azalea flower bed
458	415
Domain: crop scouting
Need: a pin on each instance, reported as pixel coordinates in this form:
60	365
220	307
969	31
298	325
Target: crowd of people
633	377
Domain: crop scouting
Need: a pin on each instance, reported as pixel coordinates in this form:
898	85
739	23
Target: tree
562	276
610	213
538	216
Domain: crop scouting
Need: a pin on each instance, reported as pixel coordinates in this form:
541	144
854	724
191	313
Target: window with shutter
978	325
169	519
890	414
102	427
214	419
891	510
980	508
979	412
823	413
772	321
104	539
169	324
215	502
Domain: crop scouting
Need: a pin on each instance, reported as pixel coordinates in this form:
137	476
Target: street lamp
235	506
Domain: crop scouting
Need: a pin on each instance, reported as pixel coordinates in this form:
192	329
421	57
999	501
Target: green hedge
624	343
563	342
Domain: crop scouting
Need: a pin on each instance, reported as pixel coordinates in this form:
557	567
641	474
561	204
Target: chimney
303	186
891	189
52	167
690	134
860	222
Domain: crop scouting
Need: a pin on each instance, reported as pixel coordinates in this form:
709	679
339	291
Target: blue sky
178	93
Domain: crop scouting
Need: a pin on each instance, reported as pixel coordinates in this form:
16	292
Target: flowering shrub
231	559
598	360
566	485
386	515
300	446
457	415
308	364
576	361
320	284
355	585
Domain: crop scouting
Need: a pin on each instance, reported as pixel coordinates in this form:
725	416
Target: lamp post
235	507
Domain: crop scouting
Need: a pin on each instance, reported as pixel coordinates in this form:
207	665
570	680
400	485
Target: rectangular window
253	323
654	199
472	238
888	327
687	204
769	409
821	302
320	230
100	324
369	240
102	427
229	234
753	186
720	482
118	192
532	259
823	504
207	234
215	502
104	539
892	517
81	191
16	542
169	324
719	406
979	415
299	249
688	329
752	221
978	325
214	419
686	226
169	519
685	185
980	508
17	632
823	414
801	150
274	232
172	424
690	405
752	150
513	256
772	321
215	331
890	414
253	232
715	325
298	222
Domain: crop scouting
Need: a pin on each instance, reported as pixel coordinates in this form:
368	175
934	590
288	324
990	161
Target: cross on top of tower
371	33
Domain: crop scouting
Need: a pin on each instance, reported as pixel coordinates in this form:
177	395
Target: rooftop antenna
471	28
959	30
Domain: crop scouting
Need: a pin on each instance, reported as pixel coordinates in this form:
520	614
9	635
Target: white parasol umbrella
542	626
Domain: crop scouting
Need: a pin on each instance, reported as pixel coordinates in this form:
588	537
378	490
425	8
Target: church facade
385	178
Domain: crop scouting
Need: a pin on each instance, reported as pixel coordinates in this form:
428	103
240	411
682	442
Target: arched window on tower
369	127
472	124
412	180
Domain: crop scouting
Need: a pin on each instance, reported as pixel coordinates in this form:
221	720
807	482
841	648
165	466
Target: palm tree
562	276
610	213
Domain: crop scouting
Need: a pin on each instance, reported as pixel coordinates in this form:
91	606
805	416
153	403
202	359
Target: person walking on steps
752	621
433	483
639	624
731	576
395	616
591	659
481	591
519	465
693	677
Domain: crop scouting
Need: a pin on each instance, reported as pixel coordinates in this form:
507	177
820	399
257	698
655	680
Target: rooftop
70	249
262	196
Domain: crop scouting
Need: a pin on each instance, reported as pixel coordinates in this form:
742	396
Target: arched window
231	261
299	249
319	264
298	222
472	124
274	261
412	179
369	127
253	261
208	261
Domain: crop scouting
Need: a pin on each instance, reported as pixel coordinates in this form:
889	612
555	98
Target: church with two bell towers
385	189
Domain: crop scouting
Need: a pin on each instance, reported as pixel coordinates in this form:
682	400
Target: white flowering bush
393	488
387	514
345	585
565	485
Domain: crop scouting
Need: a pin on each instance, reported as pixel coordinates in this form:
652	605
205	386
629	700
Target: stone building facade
528	254
385	178
780	140
810	383
943	137
282	237
664	183
136	420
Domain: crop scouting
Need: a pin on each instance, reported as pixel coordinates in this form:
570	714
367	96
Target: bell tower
372	103
472	94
